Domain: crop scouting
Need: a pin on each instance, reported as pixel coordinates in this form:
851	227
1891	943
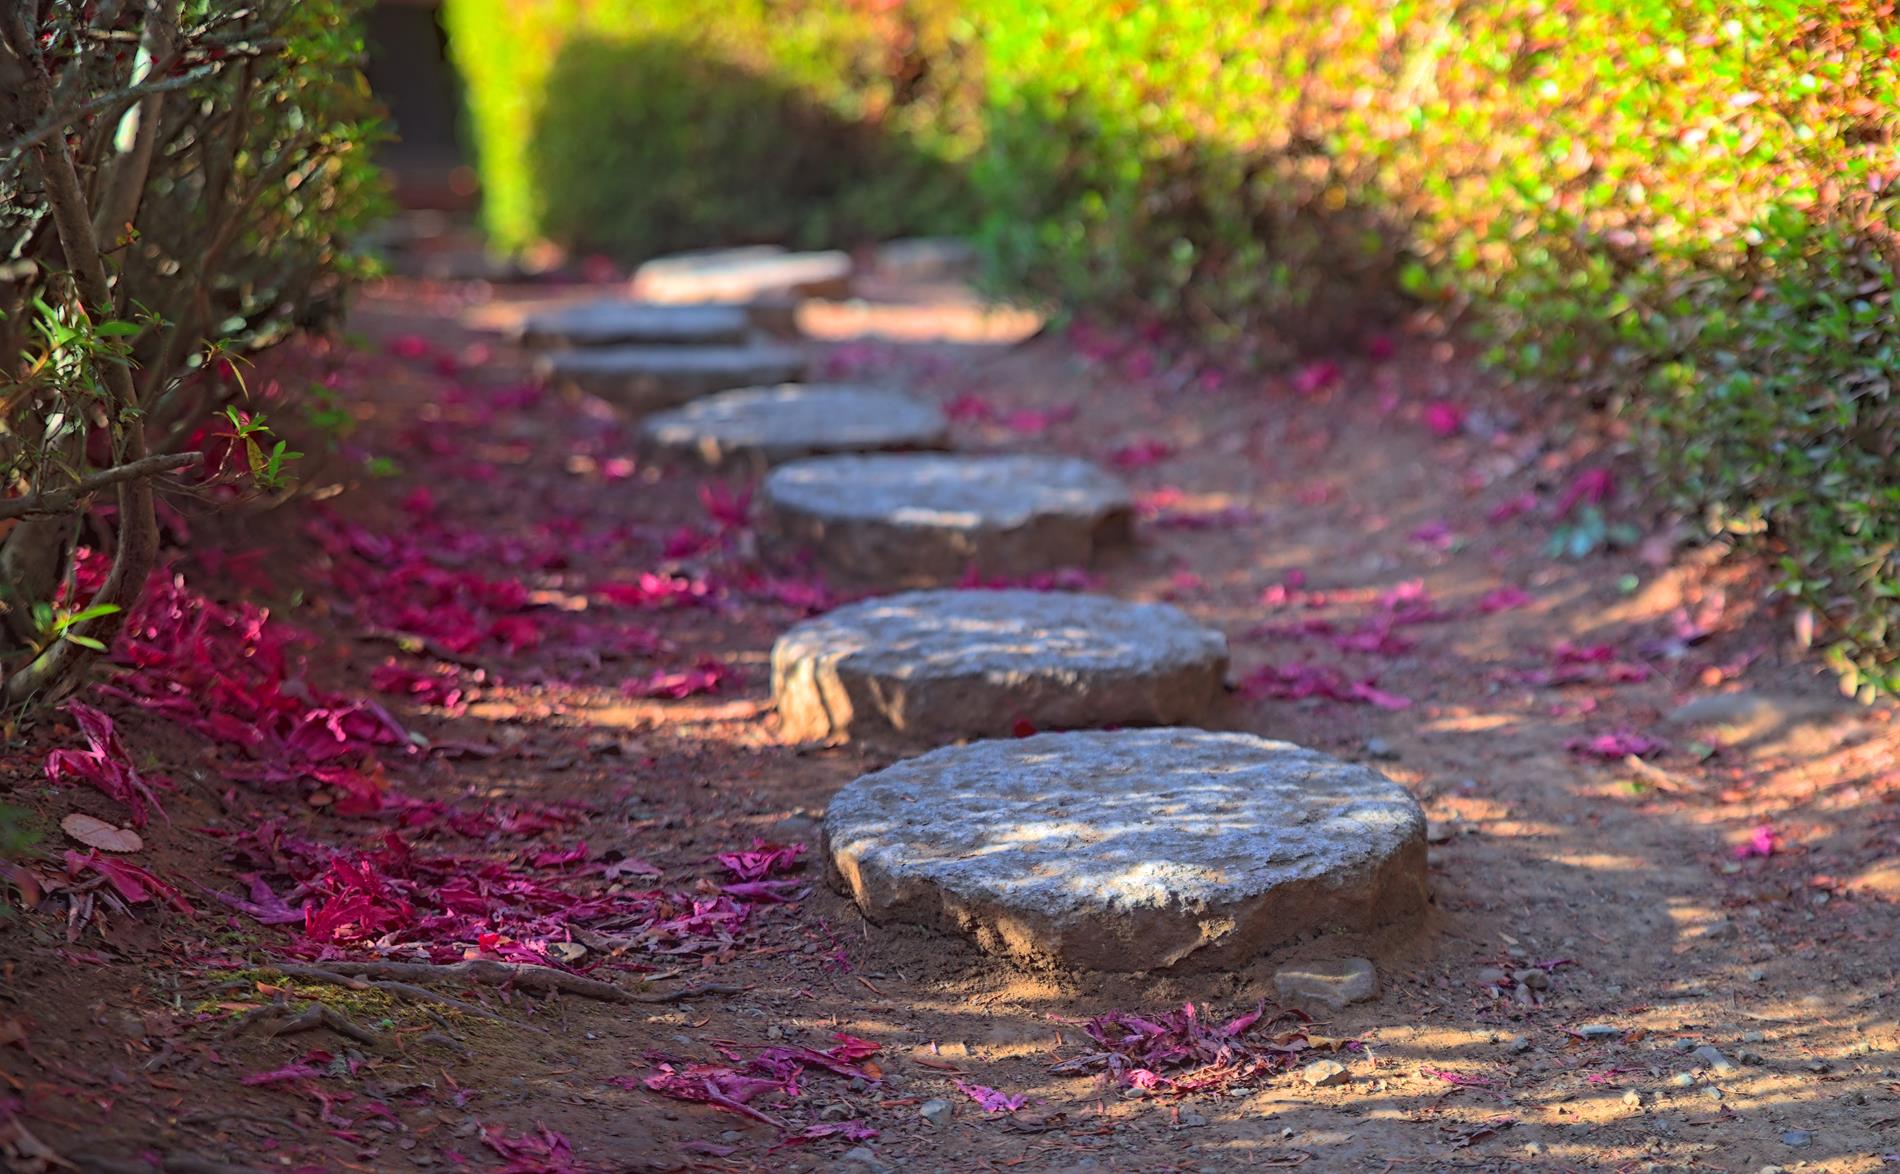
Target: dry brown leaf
97	833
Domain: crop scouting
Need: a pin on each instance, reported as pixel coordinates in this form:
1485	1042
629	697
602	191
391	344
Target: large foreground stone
1129	850
770	425
936	666
650	378
741	275
616	322
925	520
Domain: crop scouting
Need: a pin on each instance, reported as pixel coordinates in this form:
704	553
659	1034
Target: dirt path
1370	534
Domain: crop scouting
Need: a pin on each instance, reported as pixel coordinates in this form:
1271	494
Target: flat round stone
740	275
609	323
771	425
1129	850
927	520
650	378
928	667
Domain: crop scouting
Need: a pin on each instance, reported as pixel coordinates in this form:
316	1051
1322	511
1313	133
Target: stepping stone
649	378
740	275
936	666
607	323
926	520
1129	850
771	425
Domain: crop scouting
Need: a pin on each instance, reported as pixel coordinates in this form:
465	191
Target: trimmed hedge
1687	207
634	129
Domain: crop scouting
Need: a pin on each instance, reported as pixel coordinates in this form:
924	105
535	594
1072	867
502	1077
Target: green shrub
1687	207
177	183
639	128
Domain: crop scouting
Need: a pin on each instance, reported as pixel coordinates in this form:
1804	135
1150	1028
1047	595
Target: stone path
925	520
650	378
1129	850
771	425
741	275
619	322
1121	850
930	667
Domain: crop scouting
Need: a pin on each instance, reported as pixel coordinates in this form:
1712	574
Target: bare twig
320	1015
405	990
65	501
519	975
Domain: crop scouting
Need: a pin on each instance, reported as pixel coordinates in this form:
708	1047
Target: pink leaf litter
1180	1053
1590	487
1297	682
104	764
708	676
1616	745
991	1100
1761	842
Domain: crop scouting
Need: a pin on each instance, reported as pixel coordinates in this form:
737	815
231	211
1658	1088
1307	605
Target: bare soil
1269	507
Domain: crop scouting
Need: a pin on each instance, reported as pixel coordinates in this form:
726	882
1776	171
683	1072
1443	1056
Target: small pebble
1683	1080
1754	1037
1599	1031
1711	1058
1796	1138
1633	1099
1521	1044
1533	978
1325	1073
1190	1120
1684	1044
937	1112
1491	976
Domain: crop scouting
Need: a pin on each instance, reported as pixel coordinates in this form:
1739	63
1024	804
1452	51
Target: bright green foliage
636	128
1688	205
1691	208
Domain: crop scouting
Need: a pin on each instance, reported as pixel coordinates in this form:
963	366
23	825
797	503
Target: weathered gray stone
923	520
650	378
740	275
1129	850
927	667
771	425
619	322
1335	983
925	258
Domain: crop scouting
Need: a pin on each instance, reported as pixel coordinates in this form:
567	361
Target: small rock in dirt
937	1112
1683	1080
1599	1031
859	1160
1755	974
1336	983
1819	1066
1533	1149
1797	1138
1683	1044
1521	1044
1633	1099
1533	978
837	1112
1491	976
1190	1120
1325	1073
1439	833
1381	749
1754	1037
1714	1059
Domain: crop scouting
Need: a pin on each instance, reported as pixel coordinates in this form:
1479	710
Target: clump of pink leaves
1181	1053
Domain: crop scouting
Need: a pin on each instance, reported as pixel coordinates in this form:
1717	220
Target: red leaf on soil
991	1100
708	676
1316	377
762	860
1140	455
1444	418
1761	842
104	764
1590	487
130	881
1617	744
1504	599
